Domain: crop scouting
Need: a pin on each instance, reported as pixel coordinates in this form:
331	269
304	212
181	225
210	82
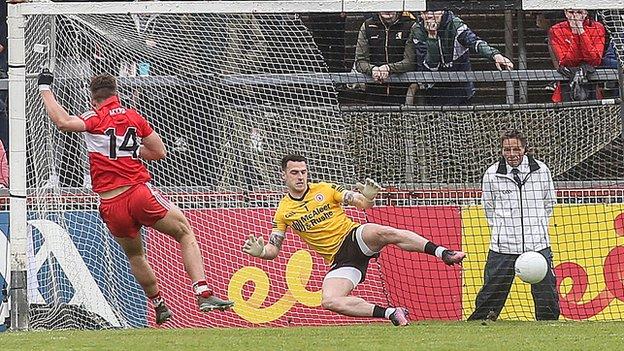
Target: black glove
588	72
567	72
578	88
44	79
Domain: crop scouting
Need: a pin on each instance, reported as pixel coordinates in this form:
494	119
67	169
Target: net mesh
223	141
189	76
452	147
614	22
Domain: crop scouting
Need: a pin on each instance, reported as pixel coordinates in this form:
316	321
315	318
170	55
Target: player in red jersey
117	138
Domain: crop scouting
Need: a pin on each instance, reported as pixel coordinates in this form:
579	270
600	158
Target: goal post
232	86
17	165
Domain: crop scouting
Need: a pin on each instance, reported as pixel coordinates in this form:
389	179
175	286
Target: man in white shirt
518	199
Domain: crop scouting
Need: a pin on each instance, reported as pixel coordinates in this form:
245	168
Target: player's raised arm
256	247
365	199
59	116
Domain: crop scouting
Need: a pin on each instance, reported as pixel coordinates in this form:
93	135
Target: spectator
441	41
578	40
518	199
381	41
610	60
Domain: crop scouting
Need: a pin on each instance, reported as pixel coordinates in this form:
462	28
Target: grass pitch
501	335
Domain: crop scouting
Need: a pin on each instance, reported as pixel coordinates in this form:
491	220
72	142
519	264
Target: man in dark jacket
441	41
381	41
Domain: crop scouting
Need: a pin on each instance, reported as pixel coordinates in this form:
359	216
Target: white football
531	267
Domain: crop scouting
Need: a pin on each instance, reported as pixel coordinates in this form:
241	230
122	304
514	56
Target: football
531	267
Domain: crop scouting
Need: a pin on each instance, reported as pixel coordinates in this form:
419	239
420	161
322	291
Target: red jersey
573	49
113	136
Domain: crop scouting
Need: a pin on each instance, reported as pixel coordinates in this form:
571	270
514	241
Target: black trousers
498	278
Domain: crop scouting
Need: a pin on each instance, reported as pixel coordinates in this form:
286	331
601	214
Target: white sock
156	300
439	251
389	311
200	286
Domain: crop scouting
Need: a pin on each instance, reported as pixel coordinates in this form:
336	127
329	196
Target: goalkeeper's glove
254	246
44	79
370	189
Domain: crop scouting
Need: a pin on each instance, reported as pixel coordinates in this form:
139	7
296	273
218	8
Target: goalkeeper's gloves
44	79
370	189
254	246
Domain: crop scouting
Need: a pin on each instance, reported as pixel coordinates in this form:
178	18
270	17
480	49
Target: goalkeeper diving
314	212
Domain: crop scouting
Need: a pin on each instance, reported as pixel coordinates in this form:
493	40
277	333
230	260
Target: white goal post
270	6
256	117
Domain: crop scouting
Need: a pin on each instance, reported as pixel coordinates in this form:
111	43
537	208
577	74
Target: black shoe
163	313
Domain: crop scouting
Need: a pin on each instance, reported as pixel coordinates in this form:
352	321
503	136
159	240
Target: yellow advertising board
588	247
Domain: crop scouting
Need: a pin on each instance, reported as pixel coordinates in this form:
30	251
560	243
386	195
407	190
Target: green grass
501	335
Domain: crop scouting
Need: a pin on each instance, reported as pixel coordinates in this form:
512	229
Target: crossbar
174	7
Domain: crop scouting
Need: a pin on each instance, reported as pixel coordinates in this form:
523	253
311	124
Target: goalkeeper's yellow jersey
317	217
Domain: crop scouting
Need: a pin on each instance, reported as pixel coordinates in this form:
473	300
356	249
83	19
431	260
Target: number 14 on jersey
129	145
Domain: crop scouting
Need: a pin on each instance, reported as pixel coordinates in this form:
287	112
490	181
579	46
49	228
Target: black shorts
350	255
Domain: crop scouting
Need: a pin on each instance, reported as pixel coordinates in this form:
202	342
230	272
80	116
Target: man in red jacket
573	42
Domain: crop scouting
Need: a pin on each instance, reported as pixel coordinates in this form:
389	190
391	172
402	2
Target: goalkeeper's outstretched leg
376	237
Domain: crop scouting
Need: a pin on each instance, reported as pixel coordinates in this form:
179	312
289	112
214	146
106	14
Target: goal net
230	94
186	74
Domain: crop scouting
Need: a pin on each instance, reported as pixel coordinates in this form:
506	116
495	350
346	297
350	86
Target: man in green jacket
381	40
442	42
